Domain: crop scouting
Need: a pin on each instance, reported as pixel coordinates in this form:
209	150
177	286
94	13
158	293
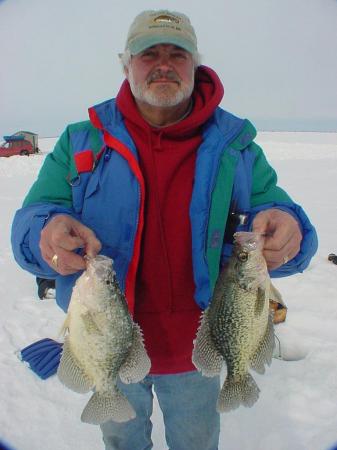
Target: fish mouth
101	267
249	240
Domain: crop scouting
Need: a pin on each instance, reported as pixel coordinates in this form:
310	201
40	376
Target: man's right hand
60	237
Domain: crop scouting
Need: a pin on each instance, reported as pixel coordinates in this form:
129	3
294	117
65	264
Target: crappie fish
102	342
237	327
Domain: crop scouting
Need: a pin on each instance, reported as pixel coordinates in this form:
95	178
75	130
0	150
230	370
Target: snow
297	409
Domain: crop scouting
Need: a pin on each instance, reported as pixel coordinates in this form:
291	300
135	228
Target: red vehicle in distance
22	143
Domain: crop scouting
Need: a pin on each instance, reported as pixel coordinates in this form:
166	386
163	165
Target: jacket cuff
25	237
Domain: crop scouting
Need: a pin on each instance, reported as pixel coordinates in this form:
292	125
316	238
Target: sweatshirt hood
207	94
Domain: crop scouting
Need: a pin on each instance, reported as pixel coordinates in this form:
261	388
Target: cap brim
142	43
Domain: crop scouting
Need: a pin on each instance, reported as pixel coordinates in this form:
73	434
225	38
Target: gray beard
141	93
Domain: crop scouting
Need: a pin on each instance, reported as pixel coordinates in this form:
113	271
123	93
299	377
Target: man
151	181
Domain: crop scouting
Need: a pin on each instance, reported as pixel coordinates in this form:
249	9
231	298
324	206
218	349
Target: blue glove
43	357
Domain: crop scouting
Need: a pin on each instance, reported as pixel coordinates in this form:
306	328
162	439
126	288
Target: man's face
162	75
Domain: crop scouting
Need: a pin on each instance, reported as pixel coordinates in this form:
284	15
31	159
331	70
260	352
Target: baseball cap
161	27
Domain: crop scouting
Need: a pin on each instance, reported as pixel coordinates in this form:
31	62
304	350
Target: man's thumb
92	244
260	223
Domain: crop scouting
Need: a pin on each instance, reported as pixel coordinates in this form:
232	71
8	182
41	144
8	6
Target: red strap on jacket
84	161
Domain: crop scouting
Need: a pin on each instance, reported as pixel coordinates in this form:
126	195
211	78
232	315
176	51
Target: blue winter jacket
107	196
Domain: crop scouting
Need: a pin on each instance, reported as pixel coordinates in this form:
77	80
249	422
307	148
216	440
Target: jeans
188	402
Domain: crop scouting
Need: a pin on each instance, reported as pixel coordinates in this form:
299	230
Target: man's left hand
282	236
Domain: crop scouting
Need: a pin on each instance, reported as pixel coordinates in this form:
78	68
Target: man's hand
60	237
283	236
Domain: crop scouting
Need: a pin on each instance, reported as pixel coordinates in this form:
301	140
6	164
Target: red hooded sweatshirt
165	308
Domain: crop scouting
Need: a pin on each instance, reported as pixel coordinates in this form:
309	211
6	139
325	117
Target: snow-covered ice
297	409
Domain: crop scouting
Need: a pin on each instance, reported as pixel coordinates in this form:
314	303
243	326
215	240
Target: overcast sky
276	58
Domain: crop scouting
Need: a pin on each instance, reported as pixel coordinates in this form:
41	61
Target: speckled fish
102	343
237	326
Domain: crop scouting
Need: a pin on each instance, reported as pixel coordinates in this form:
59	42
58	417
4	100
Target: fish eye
243	256
108	282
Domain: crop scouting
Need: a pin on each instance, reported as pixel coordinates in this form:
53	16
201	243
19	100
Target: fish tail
106	406
236	392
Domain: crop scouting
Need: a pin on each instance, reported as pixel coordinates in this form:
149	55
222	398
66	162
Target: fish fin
237	392
275	295
205	356
264	352
103	407
137	364
90	322
71	374
65	327
260	301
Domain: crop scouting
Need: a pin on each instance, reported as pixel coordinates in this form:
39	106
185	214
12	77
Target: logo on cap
166	18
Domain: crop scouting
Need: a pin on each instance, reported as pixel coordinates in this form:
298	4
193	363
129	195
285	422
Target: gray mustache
158	74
